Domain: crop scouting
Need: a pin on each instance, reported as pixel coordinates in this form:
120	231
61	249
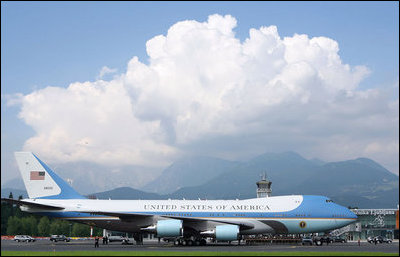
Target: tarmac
88	245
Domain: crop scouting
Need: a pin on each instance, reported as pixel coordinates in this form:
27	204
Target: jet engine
223	233
227	232
166	228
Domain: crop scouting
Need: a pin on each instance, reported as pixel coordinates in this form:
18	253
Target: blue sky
73	40
57	43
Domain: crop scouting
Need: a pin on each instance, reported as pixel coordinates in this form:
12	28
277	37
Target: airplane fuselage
279	214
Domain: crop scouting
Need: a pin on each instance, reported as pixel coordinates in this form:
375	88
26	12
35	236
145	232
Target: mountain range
361	182
191	171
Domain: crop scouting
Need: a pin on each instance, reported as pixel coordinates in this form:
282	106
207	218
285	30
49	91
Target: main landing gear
190	242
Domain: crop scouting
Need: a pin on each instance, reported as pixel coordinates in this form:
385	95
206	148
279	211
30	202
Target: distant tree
59	227
80	230
44	226
29	225
97	231
25	227
65	227
11	195
20	197
6	212
14	226
54	228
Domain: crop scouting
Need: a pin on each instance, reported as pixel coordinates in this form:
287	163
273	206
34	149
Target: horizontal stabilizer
32	205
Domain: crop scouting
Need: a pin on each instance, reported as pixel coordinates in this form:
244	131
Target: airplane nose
351	215
345	212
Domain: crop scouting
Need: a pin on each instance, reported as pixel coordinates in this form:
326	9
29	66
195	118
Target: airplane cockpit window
329	201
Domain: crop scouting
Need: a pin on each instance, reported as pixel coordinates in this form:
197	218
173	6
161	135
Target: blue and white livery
185	221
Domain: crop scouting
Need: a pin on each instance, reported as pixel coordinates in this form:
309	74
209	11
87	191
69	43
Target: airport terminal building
373	222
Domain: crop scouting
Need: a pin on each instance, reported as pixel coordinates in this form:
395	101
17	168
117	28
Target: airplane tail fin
40	181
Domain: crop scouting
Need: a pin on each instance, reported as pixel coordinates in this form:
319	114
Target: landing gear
203	242
318	242
190	242
138	238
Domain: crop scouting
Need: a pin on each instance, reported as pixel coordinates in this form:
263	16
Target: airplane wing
132	216
33	205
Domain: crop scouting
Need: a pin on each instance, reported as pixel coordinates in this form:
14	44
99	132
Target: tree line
16	222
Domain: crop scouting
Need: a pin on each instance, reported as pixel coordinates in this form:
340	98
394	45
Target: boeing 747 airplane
187	222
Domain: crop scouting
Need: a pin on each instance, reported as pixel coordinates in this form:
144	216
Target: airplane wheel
176	242
196	242
189	242
203	242
184	243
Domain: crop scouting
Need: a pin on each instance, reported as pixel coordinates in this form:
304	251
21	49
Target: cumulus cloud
203	91
104	71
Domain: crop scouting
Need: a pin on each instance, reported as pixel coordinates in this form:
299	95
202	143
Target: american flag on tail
37	175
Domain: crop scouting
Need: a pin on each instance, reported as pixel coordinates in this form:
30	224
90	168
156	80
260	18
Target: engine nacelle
227	232
169	228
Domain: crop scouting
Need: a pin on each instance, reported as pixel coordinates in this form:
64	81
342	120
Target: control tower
264	187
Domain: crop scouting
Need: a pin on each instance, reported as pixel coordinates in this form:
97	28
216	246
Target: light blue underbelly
312	225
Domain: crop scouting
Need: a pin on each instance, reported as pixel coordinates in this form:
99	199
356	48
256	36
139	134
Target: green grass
194	253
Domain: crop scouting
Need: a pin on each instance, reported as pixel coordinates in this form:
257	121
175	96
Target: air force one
183	221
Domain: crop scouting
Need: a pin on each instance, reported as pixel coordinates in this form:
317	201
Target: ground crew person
96	242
